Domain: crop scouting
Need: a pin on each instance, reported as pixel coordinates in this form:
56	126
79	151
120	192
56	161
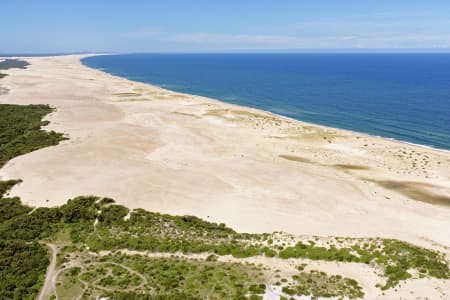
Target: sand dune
176	153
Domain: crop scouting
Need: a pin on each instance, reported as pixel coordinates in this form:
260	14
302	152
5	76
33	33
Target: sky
60	26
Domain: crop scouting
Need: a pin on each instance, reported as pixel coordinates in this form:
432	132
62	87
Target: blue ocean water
400	96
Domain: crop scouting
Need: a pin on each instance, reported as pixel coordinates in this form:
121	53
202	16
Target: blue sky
32	26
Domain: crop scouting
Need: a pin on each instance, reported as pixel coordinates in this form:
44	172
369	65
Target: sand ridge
176	153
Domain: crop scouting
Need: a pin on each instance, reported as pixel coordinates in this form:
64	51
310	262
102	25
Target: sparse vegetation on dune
165	233
319	284
397	258
139	276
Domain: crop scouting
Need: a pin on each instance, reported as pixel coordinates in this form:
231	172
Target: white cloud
363	40
302	38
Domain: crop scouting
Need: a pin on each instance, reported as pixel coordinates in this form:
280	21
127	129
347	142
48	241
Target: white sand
176	153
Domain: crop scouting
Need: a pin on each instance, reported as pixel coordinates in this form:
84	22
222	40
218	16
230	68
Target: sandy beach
151	148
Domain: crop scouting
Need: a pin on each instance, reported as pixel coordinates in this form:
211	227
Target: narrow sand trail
48	287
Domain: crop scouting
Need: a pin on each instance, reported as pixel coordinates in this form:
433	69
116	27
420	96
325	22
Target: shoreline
260	109
363	133
251	169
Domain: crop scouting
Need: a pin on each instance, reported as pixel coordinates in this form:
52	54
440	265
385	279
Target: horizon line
249	51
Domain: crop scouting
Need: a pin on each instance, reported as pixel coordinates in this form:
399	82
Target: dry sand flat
170	152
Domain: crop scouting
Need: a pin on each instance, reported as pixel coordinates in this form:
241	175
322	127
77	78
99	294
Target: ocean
400	96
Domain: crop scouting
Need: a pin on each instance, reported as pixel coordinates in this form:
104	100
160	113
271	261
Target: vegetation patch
165	233
22	268
319	284
143	277
396	257
101	225
13	63
23	260
243	116
20	130
5	186
68	285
